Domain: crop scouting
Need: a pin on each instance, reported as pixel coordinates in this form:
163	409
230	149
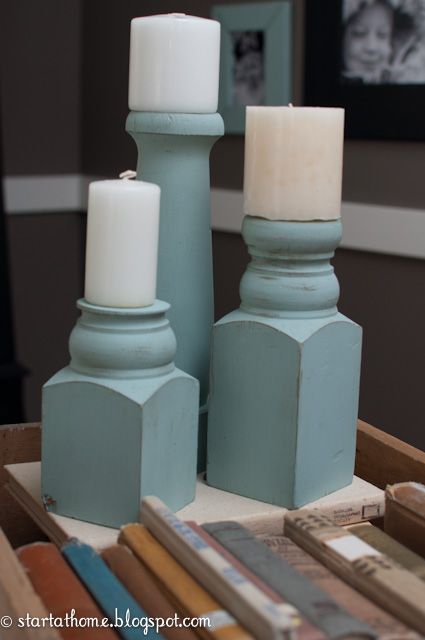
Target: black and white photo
383	42
248	68
255	58
368	56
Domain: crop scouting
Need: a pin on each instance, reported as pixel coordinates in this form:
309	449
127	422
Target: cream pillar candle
174	64
293	163
122	243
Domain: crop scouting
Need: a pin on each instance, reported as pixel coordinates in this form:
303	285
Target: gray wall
64	86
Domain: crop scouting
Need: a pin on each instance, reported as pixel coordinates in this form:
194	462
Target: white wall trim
366	227
45	194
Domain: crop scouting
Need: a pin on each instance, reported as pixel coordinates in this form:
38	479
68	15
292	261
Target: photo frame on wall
368	56
256	58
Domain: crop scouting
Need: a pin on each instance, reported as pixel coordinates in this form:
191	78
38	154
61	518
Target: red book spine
61	591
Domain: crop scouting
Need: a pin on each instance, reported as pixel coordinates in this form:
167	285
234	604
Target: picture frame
256	58
385	103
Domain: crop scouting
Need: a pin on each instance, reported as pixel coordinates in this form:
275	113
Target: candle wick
128	175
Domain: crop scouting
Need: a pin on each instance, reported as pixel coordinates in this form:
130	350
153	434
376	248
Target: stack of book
168	578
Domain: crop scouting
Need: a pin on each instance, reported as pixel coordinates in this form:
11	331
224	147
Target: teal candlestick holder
120	422
285	371
173	152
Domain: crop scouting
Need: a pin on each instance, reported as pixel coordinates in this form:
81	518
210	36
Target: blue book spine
114	600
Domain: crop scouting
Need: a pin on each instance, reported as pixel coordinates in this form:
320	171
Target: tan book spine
405	515
371	572
386	626
191	597
19	599
390	547
141	583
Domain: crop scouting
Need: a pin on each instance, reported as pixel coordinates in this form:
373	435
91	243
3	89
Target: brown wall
41	104
40	54
64	82
46	262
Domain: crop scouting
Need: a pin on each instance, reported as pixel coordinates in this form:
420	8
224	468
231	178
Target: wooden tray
381	459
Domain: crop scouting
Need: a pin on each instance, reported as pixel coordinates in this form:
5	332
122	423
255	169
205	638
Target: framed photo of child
255	58
369	57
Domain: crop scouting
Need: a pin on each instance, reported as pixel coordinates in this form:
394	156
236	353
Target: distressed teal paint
285	372
173	152
121	421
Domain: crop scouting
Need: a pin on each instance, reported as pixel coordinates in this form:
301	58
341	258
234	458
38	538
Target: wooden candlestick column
285	371
120	422
173	152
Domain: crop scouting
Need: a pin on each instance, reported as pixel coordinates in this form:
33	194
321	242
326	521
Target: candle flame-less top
174	64
293	163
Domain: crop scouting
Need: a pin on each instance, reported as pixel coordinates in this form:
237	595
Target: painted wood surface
173	152
274	20
285	372
121	420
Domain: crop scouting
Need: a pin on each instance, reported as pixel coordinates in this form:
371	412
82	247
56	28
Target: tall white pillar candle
293	163
174	64
122	243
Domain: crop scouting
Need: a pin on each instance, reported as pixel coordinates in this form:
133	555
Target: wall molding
45	194
366	227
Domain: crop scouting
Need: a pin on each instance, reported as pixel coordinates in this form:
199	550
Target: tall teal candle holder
173	152
121	421
285	371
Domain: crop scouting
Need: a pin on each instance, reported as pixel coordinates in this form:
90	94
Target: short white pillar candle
174	64
293	163
122	243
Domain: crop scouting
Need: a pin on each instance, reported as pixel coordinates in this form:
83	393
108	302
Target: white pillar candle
174	64
293	163
122	243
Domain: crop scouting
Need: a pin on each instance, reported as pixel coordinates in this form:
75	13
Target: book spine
314	603
61	590
140	583
187	594
390	547
108	592
260	615
371	572
18	597
386	626
356	510
305	631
